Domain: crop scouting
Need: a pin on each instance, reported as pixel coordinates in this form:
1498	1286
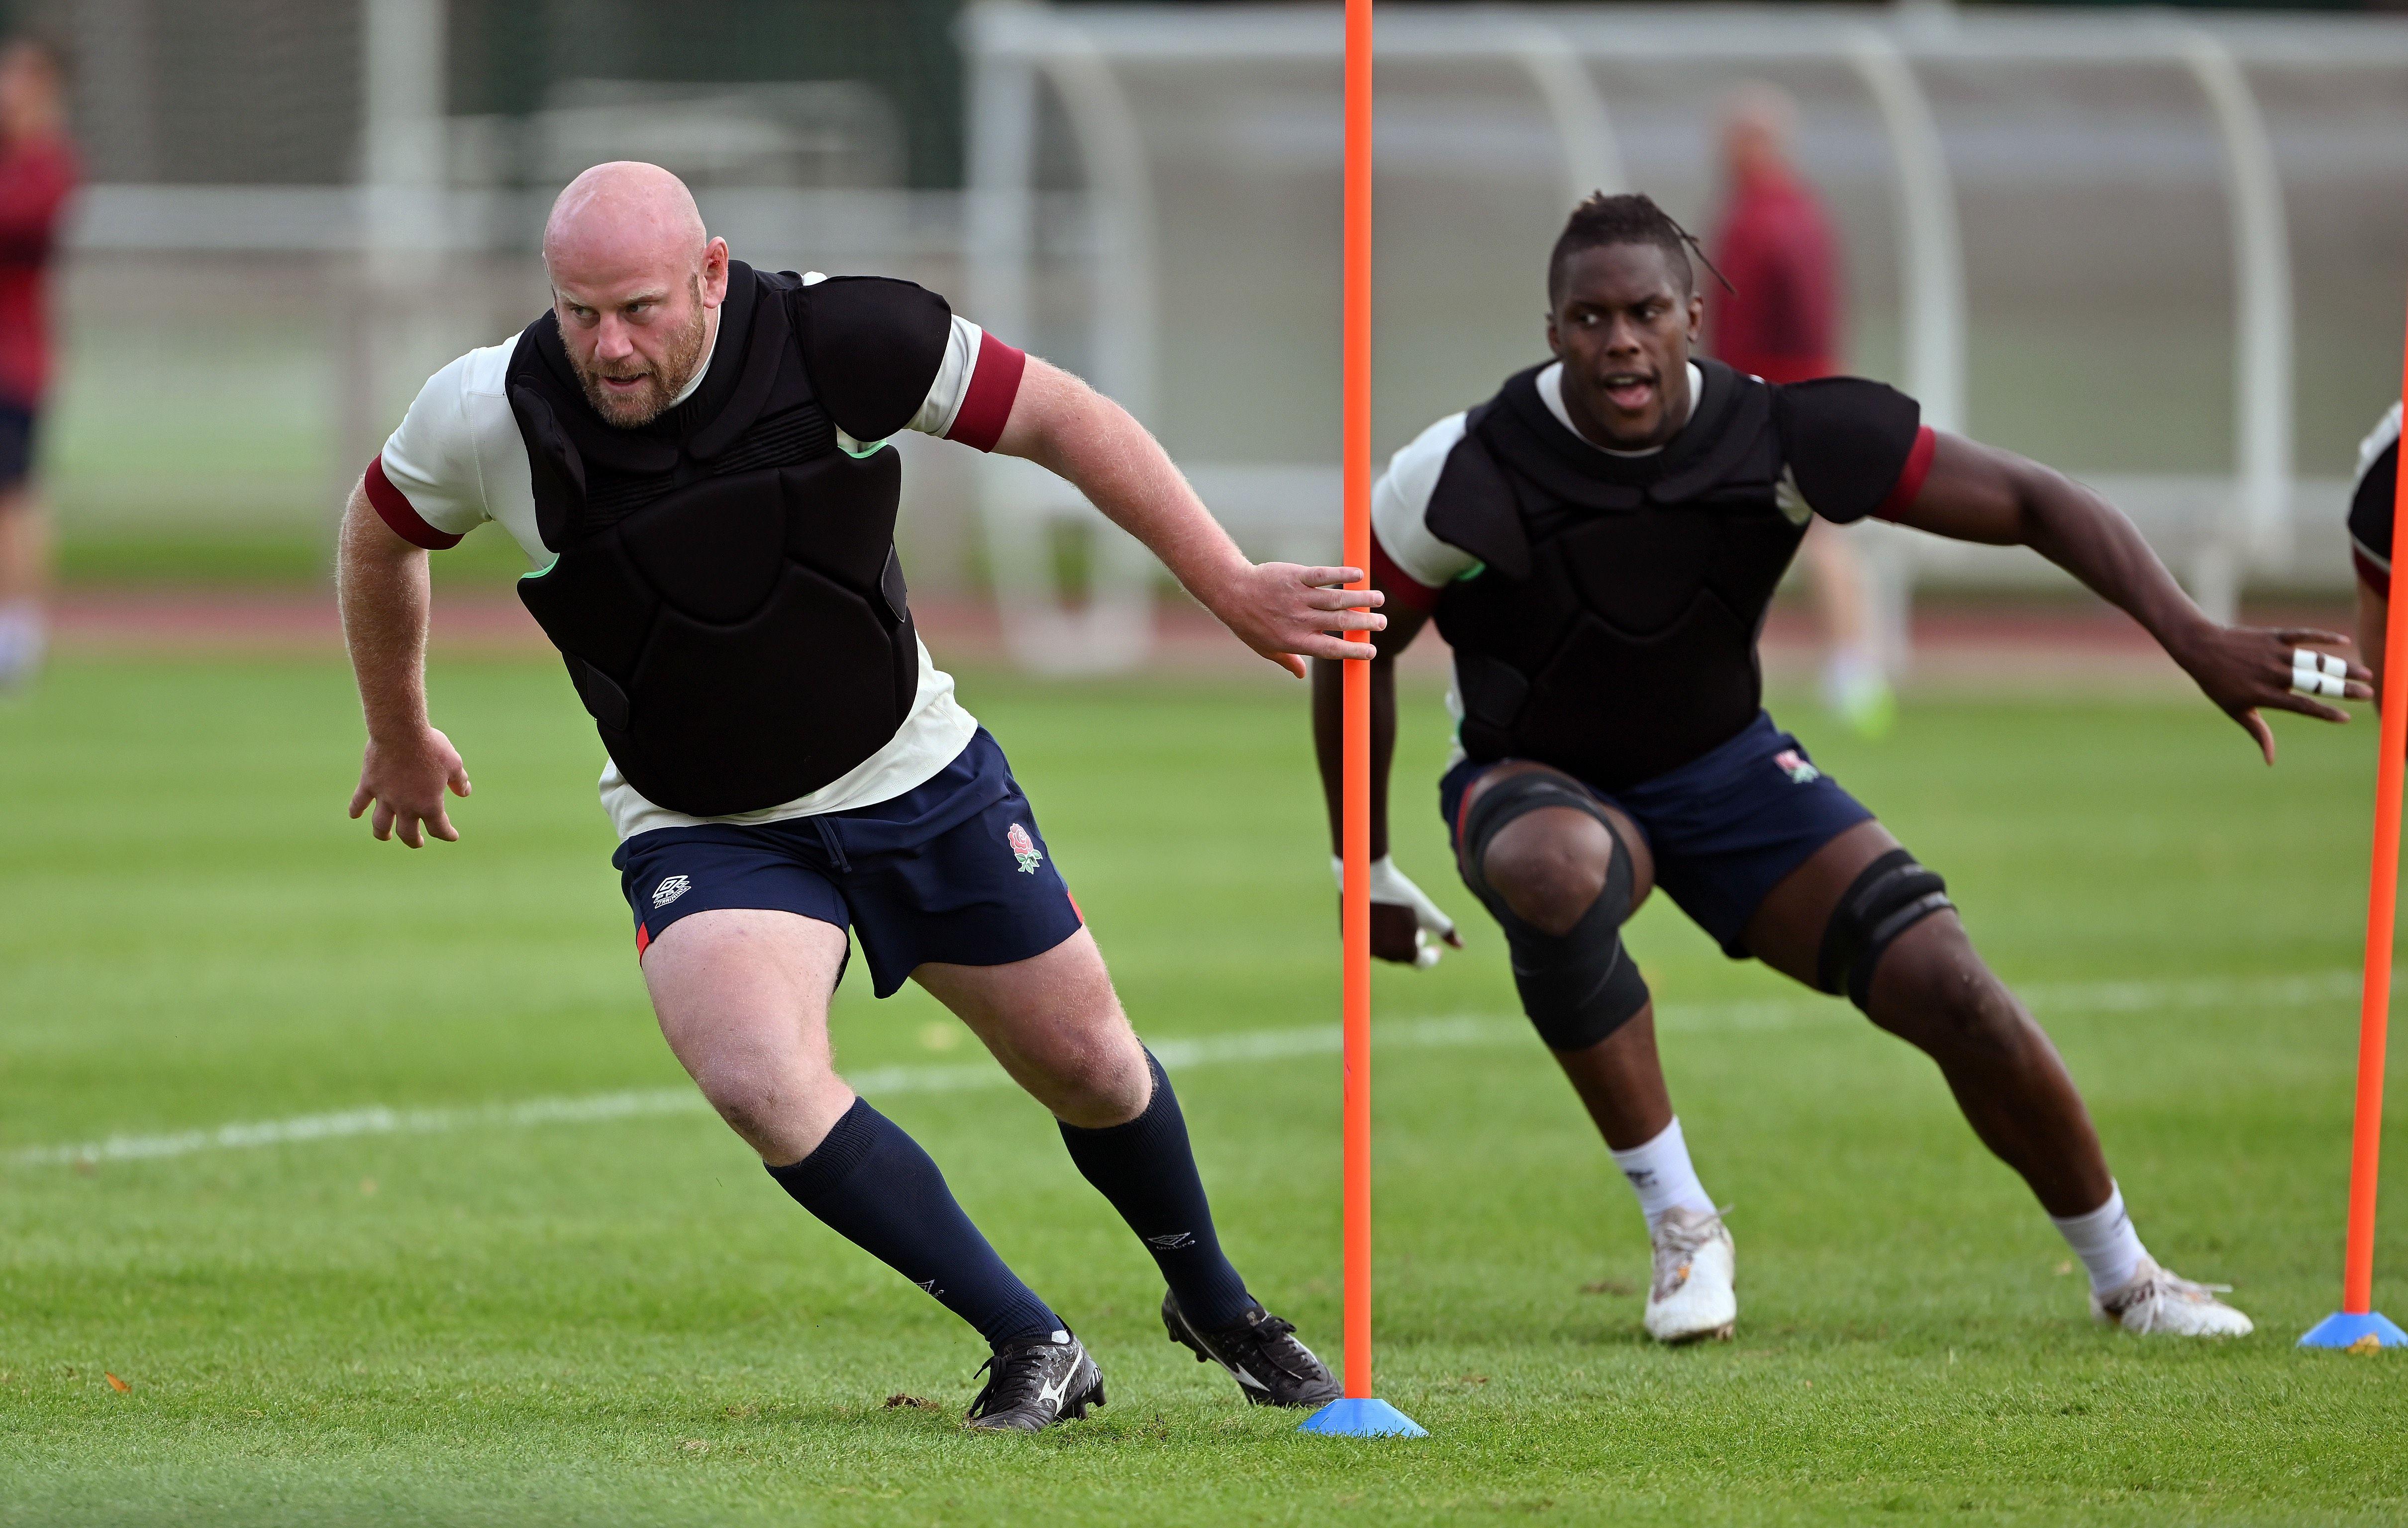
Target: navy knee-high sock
877	1189
1147	1170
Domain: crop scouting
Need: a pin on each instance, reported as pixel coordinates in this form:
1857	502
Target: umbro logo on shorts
1792	763
1023	848
670	890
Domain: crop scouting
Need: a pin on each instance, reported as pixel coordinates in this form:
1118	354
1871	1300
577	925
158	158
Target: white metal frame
1015	44
1019	503
403	152
2261	387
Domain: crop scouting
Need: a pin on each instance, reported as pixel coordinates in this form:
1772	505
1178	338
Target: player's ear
1554	339
1697	315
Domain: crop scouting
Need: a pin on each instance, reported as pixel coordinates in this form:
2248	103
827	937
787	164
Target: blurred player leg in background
1856	677
25	554
1780	321
38	171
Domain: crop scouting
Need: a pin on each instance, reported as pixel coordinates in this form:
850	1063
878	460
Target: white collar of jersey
2372	449
694	383
1551	392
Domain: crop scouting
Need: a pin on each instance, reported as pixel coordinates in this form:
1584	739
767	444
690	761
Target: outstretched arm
1404	914
1328	688
1976	492
1279	609
384	584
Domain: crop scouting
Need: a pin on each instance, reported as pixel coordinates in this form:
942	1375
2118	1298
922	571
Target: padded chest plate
1612	630
727	592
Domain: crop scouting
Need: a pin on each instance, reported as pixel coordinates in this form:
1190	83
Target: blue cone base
1363	1419
2342	1329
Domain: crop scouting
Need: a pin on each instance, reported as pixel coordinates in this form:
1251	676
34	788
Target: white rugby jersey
1400	499
458	461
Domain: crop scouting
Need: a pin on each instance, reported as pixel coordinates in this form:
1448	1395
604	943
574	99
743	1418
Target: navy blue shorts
1725	827
16	445
954	871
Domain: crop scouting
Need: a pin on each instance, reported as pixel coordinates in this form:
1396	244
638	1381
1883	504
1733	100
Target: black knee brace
1578	987
1891	895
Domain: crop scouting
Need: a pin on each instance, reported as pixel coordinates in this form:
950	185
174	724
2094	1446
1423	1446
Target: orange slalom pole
2357	1323
1357	1413
1355	807
2382	915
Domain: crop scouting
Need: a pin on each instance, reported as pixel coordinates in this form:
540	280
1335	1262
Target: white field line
1214	1051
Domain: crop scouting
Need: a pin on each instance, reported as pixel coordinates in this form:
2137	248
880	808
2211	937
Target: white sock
1661	1176
2105	1242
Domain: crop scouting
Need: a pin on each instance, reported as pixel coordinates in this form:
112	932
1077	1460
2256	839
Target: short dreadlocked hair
1631	219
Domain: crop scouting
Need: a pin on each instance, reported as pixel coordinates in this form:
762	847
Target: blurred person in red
1780	320
37	173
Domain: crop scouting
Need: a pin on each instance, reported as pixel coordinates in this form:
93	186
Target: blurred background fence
2165	251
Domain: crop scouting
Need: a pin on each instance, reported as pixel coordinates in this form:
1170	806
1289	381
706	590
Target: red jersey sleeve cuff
1399	585
1910	476
395	511
995	381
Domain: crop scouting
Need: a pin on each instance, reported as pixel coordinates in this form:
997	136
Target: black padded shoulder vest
725	588
1613	631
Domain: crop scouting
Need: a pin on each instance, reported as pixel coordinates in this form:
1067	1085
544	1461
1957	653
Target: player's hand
406	779
1403	918
2245	668
1289	613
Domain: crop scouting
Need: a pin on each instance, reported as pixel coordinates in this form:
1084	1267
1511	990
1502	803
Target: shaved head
637	282
621	212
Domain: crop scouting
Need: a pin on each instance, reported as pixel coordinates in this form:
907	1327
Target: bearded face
634	390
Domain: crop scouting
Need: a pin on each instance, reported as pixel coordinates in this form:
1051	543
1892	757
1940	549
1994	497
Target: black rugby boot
1271	1367
1032	1385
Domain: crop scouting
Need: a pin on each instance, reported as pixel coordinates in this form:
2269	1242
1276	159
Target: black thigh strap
1887	898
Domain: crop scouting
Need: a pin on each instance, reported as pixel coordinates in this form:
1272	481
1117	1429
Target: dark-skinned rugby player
1599	543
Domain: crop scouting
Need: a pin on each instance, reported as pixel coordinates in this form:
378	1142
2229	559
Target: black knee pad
1891	895
1578	987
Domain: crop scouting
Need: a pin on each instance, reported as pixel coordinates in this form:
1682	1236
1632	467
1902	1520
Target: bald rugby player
1599	543
698	454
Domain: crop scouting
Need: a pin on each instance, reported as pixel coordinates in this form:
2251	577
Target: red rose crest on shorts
1792	763
1023	848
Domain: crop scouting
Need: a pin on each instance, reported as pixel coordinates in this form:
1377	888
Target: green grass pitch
603	1317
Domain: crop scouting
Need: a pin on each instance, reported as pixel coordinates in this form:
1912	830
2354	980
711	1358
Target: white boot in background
1857	690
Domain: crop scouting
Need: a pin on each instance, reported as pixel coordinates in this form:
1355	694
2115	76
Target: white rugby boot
1691	1293
2155	1303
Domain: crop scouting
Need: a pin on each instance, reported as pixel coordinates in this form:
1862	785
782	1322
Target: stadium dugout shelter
2086	235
